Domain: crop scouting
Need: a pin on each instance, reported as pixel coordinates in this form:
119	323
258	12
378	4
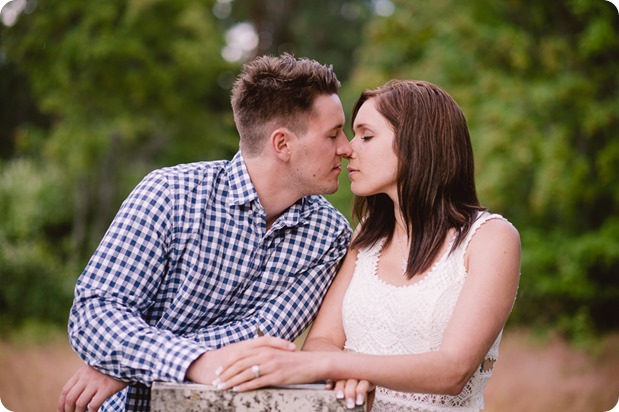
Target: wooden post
174	397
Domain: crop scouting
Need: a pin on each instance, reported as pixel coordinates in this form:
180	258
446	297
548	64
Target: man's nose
344	149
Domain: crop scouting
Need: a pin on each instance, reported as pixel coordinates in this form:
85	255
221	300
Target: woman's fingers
238	353
235	373
268	366
339	389
350	393
244	376
363	387
243	356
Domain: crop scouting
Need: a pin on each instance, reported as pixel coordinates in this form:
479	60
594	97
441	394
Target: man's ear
280	141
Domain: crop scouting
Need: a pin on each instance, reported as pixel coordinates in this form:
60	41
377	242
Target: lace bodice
380	318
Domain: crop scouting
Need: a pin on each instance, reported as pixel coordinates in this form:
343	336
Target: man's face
316	158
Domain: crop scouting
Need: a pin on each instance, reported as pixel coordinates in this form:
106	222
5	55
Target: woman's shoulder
494	223
491	229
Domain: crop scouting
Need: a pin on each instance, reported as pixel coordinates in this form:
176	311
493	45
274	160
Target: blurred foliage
96	95
327	30
93	96
31	262
538	83
118	89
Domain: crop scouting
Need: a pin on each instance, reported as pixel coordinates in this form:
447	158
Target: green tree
96	95
126	86
325	30
538	82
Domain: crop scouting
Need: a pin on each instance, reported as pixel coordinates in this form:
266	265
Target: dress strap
482	217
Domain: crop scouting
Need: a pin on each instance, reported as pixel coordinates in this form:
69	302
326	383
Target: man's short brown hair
278	91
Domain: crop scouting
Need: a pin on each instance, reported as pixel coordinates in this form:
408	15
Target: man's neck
270	183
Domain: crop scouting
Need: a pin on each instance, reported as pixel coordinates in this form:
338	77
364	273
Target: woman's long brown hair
435	176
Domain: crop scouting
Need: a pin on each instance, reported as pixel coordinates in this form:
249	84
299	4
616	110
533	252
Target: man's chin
331	189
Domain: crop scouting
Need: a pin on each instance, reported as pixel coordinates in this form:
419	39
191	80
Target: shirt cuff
176	357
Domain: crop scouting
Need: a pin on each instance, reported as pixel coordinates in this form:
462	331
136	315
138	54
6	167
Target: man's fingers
66	389
96	402
87	389
81	403
72	394
62	399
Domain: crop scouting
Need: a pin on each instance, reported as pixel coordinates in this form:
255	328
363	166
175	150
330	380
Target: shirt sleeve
288	313
119	284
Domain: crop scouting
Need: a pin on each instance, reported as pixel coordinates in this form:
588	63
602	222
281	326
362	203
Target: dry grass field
532	375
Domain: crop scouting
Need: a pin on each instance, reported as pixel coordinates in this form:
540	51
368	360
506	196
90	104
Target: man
207	254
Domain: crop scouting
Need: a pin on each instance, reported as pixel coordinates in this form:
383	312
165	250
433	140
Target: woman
430	278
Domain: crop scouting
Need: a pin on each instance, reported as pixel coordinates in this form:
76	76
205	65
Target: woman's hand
356	392
269	366
87	389
204	369
265	366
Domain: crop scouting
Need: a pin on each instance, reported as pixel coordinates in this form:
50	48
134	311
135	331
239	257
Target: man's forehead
328	107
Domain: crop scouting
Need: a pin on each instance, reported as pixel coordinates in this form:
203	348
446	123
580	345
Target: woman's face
372	167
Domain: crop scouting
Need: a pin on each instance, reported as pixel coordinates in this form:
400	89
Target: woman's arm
487	297
486	300
327	331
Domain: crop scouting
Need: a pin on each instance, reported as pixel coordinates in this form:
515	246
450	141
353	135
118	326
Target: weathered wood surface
172	397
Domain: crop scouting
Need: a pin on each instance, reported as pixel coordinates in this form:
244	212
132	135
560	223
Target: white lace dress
380	318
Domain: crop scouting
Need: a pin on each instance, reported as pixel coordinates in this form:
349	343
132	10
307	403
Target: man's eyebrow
334	128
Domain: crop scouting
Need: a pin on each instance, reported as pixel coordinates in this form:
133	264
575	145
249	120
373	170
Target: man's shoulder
194	169
188	176
319	208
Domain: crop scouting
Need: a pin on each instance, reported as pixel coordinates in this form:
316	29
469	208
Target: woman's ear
280	141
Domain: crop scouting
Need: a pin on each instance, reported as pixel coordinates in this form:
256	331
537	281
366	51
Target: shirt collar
242	190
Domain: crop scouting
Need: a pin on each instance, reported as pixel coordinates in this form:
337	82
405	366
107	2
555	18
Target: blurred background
94	95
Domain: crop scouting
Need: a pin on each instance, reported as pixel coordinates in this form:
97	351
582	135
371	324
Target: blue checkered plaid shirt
187	265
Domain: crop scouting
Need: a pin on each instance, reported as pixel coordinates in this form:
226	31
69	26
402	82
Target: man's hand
87	388
204	369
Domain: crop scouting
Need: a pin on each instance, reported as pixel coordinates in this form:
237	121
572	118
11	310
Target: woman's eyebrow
360	126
